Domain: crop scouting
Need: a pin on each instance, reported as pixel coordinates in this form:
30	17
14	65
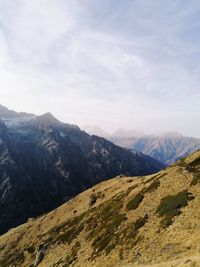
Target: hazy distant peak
126	133
44	120
95	130
166	147
3	108
171	134
47	116
6	113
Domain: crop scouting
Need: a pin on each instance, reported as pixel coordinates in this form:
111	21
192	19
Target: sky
132	64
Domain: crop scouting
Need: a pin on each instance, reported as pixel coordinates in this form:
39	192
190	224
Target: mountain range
122	222
167	148
44	163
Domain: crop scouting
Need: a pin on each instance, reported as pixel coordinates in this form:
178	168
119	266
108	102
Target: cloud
118	63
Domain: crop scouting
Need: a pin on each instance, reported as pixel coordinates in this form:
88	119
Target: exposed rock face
44	162
40	254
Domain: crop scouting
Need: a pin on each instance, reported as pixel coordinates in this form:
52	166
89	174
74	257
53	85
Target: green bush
16	259
130	235
195	179
132	230
170	206
92	200
30	249
67	231
152	187
73	255
69	235
181	162
103	225
135	202
105	240
194	166
140	222
130	189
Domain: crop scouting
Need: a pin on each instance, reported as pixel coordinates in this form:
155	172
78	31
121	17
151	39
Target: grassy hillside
126	221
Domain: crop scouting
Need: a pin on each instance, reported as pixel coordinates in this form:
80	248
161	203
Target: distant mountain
126	133
44	162
8	114
95	130
166	148
149	221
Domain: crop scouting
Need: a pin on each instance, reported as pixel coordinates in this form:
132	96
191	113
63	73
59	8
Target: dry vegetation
152	220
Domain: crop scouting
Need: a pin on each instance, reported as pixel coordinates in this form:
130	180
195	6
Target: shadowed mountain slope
44	162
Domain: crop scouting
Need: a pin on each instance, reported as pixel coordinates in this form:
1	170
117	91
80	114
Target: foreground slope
125	221
44	162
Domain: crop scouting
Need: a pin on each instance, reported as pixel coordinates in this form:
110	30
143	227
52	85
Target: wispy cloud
132	64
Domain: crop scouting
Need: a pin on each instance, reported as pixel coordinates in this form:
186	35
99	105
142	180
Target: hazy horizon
92	129
111	63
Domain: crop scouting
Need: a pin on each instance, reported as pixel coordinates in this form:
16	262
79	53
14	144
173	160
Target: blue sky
116	64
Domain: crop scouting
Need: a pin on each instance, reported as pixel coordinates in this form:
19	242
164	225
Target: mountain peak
44	120
3	108
171	134
126	133
96	130
8	114
47	116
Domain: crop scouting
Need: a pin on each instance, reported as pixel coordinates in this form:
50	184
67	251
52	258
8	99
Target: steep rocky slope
148	221
44	162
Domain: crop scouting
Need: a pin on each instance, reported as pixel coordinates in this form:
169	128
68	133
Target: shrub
103	225
92	200
130	234
132	230
181	162
2	248
16	259
135	202
30	249
170	206
69	235
130	189
73	255
152	187
195	179
140	222
194	165
105	240
67	231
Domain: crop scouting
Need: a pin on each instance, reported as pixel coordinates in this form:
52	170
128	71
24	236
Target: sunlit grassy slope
126	221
